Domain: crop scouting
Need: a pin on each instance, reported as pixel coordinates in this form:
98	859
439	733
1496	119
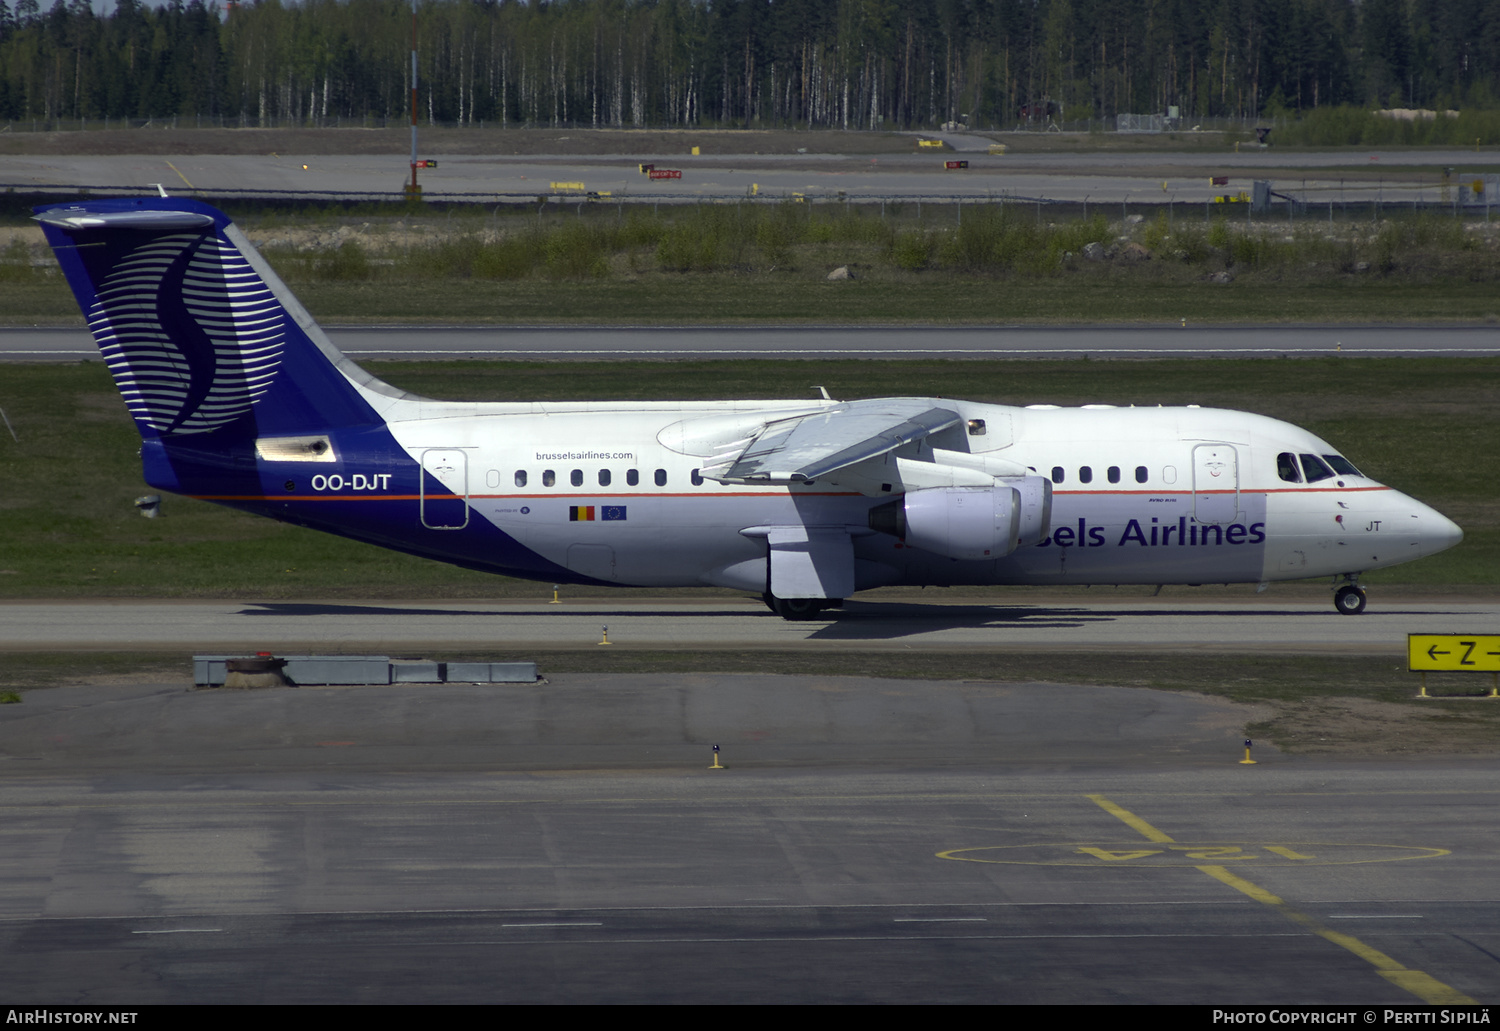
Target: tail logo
190	332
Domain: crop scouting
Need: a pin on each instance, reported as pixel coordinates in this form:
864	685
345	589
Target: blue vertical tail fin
207	346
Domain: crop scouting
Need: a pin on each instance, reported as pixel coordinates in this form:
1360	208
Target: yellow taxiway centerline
1424	986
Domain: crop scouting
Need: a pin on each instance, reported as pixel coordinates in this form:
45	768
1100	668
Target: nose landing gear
1350	598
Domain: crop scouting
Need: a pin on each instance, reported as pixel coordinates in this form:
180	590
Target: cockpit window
1286	467
1342	465
1314	469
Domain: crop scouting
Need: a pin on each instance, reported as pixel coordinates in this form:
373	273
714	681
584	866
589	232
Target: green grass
1425	426
767	264
1360	127
887	298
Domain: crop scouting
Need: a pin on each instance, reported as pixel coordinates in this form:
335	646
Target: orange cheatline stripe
622	498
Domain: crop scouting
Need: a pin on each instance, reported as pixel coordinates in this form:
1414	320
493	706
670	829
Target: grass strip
757	264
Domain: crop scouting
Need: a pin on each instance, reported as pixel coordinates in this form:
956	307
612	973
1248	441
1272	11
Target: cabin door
444	500
1216	484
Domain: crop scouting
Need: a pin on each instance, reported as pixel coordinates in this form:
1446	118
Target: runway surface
868	841
915	342
1258	623
1333	178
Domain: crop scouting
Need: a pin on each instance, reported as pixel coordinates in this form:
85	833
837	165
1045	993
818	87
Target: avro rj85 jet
241	399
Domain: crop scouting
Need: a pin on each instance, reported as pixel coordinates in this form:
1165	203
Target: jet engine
970	522
1036	508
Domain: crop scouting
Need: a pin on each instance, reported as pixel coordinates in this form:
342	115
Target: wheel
1349	600
798	608
770	600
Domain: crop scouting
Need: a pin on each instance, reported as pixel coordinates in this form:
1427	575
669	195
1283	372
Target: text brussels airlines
1156	534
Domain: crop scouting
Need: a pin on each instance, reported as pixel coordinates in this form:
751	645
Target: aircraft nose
1435	532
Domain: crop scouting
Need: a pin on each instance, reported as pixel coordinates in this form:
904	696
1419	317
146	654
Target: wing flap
806	447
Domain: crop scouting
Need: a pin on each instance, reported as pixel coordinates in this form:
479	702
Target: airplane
241	399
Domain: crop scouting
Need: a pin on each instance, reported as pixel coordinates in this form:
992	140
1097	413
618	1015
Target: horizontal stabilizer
75	218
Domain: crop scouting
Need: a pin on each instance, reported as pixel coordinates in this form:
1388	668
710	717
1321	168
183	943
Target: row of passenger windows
1086	474
1311	469
632	478
1291	468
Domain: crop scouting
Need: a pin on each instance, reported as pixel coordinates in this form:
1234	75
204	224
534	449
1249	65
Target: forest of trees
762	63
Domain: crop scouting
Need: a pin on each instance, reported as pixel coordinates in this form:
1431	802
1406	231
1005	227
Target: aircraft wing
805	447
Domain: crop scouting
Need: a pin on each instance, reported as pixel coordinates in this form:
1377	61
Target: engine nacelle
960	522
1036	508
970	522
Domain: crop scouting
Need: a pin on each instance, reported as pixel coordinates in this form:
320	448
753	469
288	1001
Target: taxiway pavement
1335	179
1254	624
867	841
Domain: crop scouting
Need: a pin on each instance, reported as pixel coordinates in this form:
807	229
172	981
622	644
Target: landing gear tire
1349	600
796	608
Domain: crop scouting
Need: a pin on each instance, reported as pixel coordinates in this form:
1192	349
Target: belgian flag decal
590	513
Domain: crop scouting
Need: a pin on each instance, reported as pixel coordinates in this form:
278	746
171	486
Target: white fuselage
1140	495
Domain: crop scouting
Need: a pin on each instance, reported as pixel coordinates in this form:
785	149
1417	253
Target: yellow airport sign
1471	653
568	187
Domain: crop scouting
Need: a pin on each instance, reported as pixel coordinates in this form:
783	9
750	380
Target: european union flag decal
612	512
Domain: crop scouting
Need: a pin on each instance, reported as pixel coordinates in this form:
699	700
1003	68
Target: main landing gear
1350	598
800	608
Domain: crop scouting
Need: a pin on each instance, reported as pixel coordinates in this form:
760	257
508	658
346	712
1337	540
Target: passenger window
520	477
1314	469
1140	474
577	478
1085	475
1057	474
633	477
492	478
549	478
661	477
1114	474
697	478
1286	467
604	477
1169	474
